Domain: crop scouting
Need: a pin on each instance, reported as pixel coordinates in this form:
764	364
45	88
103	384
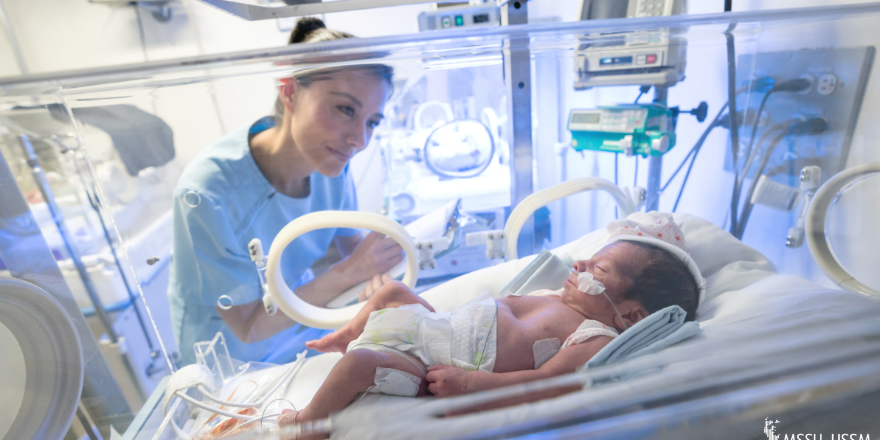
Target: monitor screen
585	118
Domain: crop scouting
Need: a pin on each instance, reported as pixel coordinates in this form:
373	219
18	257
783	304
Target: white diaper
464	338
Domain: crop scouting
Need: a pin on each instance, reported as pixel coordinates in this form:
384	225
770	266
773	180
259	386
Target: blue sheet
650	335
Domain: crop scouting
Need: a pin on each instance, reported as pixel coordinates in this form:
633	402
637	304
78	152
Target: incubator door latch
810	179
494	241
255	248
428	249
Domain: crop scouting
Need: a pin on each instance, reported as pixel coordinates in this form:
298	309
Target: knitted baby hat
660	230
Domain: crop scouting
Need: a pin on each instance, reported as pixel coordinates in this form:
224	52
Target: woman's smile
339	155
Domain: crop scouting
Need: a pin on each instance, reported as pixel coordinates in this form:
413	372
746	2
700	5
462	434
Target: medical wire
300	360
739	178
735	195
103	197
747	207
792	85
697	147
625	327
178	431
218	411
263	416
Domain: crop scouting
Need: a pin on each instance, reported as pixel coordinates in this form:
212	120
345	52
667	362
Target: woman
253	182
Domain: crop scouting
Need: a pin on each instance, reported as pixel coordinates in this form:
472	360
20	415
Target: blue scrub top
221	203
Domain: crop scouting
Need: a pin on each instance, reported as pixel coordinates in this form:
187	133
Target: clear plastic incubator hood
755	130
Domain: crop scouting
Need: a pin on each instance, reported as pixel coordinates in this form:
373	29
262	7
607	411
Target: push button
651	59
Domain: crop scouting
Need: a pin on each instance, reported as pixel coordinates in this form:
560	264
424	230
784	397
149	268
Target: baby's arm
449	381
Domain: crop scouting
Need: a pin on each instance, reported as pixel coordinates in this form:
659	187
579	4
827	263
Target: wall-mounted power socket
827	84
838	78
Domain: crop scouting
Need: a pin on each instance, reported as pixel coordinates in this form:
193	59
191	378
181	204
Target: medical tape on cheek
395	382
588	285
544	350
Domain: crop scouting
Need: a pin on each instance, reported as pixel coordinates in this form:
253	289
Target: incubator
497	152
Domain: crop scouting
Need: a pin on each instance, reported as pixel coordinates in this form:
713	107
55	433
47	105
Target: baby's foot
288	418
336	341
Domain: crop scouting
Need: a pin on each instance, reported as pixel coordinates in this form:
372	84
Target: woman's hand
445	381
374	255
373	285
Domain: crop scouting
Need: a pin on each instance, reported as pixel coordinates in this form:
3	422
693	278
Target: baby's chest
552	322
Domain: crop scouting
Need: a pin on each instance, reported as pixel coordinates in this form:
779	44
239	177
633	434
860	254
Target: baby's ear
635	314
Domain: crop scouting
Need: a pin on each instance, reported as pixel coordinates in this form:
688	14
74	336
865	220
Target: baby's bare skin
521	322
524	320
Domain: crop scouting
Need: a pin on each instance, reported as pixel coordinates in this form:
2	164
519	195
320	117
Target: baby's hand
445	381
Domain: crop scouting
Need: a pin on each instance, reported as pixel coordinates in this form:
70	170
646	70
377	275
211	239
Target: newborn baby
491	343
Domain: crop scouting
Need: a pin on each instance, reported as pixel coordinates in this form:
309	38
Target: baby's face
613	266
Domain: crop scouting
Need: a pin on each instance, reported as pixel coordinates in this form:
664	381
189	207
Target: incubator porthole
846	233
459	149
224	302
192	199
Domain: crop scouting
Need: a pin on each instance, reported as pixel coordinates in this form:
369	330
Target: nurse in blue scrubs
256	180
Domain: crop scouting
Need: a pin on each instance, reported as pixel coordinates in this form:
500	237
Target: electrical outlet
839	77
827	84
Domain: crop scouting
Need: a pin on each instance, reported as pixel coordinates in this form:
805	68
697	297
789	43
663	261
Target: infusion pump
630	129
630	58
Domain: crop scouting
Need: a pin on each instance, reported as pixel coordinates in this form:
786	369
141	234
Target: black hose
747	206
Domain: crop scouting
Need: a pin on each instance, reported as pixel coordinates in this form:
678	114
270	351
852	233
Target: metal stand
655	163
117	343
518	78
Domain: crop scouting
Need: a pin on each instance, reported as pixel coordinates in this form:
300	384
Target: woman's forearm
328	285
250	322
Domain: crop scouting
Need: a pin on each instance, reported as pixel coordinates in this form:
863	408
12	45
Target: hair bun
304	27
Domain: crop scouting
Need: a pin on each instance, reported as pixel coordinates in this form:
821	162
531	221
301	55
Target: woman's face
333	119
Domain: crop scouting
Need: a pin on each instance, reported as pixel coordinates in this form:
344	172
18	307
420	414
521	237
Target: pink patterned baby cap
652	224
658	229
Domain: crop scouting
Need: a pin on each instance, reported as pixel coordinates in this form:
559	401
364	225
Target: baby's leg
353	374
391	295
